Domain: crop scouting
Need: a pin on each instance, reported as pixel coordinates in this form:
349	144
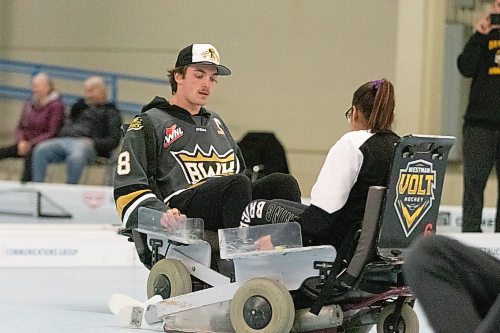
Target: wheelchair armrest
127	233
140	242
365	249
145	254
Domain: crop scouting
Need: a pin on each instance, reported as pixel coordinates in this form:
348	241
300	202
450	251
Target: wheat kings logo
415	193
198	165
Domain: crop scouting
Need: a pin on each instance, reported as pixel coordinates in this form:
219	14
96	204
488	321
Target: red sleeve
21	126
56	119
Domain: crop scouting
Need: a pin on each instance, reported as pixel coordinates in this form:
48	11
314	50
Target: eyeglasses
348	114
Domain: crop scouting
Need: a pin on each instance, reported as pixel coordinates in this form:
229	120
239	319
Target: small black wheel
169	278
407	322
262	305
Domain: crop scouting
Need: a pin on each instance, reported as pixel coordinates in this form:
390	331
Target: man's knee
277	186
78	158
253	212
39	150
241	182
281	178
45	150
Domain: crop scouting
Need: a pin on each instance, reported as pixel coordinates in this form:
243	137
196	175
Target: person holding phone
480	61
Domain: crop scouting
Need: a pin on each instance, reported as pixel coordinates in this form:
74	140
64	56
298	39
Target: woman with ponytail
360	159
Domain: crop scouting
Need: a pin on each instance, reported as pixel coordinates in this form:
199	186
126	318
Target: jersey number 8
123	164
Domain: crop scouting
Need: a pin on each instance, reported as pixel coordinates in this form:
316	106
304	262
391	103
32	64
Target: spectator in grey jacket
92	129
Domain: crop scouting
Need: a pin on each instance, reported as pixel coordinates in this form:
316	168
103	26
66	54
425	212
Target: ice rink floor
63	300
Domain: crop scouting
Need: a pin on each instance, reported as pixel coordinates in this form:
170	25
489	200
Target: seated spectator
41	118
92	129
360	159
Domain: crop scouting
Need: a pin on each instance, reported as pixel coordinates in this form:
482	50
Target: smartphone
495	19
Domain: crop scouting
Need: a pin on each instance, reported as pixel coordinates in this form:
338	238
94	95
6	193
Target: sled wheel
406	323
262	305
169	278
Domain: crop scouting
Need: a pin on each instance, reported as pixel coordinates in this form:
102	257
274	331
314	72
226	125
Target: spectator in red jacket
41	118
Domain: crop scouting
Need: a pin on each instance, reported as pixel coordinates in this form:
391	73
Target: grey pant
458	286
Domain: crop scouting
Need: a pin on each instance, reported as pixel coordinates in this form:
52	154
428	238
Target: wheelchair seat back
413	193
408	206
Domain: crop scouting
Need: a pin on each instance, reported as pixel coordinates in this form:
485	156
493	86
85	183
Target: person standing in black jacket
92	129
480	60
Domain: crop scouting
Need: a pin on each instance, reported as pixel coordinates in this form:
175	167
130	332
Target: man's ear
178	77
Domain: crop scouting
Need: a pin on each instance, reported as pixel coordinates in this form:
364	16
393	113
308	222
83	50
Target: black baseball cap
201	54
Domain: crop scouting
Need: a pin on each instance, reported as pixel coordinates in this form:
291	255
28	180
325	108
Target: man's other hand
172	219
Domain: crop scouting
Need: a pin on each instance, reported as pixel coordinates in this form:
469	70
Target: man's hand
172	219
264	243
23	147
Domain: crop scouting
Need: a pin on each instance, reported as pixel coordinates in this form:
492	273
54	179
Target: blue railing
72	74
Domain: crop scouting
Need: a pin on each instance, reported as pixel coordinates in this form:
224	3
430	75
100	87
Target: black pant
276	186
481	150
11	151
221	200
260	212
458	286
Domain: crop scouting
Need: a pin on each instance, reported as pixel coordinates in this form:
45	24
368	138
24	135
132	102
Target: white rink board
450	219
89	238
70	204
30	245
79	228
489	243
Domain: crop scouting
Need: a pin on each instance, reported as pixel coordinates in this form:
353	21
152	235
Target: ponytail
376	101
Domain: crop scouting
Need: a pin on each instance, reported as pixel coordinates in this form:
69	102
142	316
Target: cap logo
211	54
201	53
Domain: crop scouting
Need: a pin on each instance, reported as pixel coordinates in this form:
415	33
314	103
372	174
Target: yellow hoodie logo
198	165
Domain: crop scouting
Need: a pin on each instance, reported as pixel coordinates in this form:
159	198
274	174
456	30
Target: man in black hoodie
480	60
198	169
92	129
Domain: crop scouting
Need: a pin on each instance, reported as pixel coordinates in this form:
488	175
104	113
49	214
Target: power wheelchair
230	286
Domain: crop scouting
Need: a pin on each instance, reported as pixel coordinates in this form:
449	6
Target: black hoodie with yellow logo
189	149
480	60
